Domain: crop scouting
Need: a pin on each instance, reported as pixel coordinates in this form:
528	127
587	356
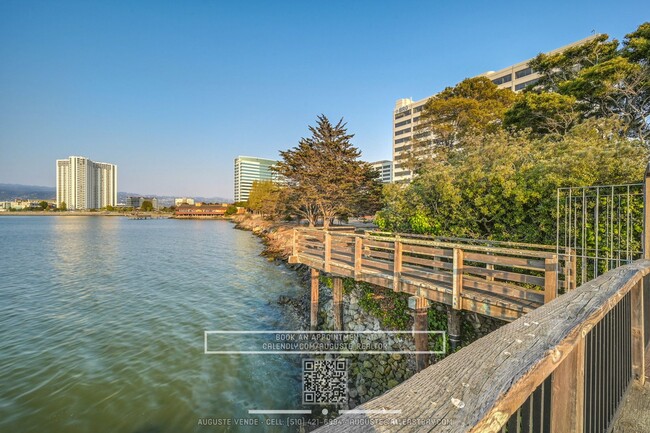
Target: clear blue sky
172	91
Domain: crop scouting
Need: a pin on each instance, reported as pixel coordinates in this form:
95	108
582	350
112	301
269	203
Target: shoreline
109	214
49	213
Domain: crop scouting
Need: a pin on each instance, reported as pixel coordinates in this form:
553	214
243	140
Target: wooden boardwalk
497	279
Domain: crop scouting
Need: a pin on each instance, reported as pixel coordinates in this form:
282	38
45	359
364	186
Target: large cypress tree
325	177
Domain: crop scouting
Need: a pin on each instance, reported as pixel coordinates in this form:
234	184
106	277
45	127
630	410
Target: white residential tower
84	184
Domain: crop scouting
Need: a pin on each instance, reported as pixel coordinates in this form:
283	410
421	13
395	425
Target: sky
173	91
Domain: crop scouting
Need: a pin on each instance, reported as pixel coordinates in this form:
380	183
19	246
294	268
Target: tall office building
406	114
385	169
249	169
84	184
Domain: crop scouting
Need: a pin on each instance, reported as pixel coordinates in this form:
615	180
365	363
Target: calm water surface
102	320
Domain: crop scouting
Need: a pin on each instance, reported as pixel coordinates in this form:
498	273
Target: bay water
102	324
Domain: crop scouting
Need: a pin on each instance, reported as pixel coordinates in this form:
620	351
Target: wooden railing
503	281
563	367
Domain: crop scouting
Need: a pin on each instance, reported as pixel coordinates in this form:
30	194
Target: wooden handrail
470	240
499	282
557	349
467	247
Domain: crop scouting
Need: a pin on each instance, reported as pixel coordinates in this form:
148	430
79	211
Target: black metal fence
608	374
534	416
608	367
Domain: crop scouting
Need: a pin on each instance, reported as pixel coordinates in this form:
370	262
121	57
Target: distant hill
10	191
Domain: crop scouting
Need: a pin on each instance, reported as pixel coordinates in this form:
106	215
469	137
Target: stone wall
370	375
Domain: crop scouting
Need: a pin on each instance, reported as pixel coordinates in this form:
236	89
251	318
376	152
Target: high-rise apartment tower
248	169
406	114
85	184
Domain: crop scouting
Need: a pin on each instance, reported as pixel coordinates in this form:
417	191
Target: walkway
634	416
497	279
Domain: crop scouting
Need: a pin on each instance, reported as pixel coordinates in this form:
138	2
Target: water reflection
102	324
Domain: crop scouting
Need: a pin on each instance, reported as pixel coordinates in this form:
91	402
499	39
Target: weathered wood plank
337	303
342	270
518	262
376	264
328	251
479	387
420	326
378	255
433	293
504	289
309	256
568	391
475	248
550	279
433	276
342	257
430	251
505	275
387	245
646	213
502	311
397	266
457	280
313	321
427	262
358	251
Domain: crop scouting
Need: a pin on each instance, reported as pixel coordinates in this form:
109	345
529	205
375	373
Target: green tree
265	198
324	175
147	206
566	65
44	205
543	113
63	207
475	105
604	80
503	185
231	210
636	46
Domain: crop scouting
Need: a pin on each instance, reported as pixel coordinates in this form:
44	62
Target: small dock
146	217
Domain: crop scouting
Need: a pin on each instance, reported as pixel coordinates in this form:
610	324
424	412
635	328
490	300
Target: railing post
294	247
568	392
314	299
397	262
358	249
328	251
337	302
421	337
550	278
457	279
454	324
638	340
646	213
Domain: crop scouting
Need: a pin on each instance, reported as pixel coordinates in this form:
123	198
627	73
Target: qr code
324	381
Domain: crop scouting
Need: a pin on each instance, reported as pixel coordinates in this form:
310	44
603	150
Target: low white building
184	200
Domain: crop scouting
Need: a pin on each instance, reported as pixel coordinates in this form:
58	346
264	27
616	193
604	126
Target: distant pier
142	216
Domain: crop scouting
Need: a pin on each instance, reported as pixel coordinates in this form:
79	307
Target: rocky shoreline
369	375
